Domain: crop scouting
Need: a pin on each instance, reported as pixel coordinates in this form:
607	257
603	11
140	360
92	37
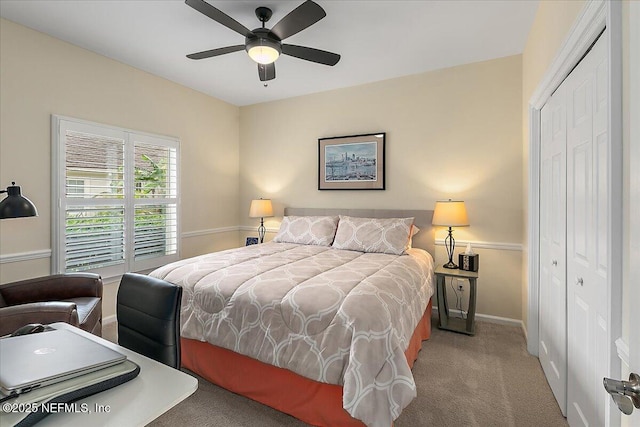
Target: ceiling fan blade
311	54
215	52
218	16
305	15
267	72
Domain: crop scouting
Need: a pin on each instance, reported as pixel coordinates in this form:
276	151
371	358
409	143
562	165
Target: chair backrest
148	312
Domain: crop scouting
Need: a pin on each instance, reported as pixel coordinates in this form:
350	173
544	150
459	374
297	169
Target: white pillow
307	230
383	235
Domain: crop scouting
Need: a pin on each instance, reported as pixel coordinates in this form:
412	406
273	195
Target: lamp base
261	230
450	244
450	265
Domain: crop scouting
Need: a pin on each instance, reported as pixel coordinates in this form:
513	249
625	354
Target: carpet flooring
485	380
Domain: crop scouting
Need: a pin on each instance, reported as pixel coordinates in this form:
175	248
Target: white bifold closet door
574	311
588	238
553	266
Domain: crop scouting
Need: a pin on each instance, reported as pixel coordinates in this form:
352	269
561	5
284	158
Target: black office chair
148	312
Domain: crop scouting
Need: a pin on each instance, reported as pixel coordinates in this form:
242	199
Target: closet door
553	289
587	238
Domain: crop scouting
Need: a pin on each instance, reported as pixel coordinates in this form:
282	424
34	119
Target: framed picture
353	162
251	241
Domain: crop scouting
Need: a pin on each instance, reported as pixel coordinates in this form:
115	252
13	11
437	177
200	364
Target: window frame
59	201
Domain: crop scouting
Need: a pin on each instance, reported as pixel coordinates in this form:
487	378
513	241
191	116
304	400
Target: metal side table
456	324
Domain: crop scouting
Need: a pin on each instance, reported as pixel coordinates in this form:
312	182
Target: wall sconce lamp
16	205
450	213
261	208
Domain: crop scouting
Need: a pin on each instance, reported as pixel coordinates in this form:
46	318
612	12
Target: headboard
425	239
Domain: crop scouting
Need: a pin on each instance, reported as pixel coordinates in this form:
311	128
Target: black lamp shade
16	205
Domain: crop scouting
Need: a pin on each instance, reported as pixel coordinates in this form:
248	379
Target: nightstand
456	324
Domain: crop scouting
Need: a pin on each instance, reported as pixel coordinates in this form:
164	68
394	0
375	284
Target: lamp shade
16	205
450	213
261	208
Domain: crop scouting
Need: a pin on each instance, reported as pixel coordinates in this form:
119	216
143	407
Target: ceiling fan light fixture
263	49
263	54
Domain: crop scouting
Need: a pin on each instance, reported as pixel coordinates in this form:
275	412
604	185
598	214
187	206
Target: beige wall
550	28
452	133
41	75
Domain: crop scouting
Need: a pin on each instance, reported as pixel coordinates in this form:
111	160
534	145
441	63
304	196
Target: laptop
38	360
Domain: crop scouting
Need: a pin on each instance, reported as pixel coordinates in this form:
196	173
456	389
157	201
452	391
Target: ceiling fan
265	45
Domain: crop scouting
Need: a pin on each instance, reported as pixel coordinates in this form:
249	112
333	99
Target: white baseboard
491	319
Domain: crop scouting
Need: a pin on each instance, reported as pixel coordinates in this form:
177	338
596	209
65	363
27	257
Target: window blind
155	229
117	193
94	237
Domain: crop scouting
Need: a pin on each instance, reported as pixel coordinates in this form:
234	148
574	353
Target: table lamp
261	208
450	213
16	205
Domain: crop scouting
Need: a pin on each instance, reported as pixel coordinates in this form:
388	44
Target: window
75	186
117	198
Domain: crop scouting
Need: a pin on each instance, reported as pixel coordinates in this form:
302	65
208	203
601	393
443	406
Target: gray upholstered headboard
423	240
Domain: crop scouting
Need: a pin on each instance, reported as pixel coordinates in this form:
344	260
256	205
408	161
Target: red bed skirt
313	402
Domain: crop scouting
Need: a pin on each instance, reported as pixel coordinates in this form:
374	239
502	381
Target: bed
321	324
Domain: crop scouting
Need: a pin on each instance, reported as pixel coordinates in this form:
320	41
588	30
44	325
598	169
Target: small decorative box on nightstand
469	262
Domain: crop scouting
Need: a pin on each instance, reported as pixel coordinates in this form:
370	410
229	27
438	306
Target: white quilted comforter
334	316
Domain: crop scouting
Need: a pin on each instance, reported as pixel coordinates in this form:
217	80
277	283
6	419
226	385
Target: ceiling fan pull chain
264	73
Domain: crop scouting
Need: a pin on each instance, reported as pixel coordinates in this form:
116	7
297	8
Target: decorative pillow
307	230
414	230
384	235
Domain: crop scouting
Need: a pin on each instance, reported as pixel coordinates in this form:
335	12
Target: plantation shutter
155	202
117	199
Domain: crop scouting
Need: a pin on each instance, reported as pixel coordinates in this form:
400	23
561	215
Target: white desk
155	390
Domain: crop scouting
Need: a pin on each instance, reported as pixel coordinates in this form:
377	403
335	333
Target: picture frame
354	162
251	241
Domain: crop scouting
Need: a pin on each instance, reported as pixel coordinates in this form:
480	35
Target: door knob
554	262
579	281
626	394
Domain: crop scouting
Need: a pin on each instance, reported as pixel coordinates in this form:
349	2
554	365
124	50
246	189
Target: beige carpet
485	380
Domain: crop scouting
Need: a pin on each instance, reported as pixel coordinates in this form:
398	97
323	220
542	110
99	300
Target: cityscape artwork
352	162
348	162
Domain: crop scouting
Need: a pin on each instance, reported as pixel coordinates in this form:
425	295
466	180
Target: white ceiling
377	39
